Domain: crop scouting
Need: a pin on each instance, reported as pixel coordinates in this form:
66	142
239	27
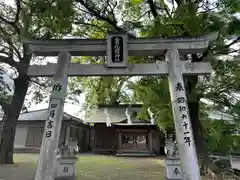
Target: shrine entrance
134	142
117	48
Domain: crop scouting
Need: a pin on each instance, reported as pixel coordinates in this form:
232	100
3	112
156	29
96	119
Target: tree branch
233	42
112	10
8	40
6	21
204	54
8	60
83	10
14	23
2	51
18	4
10	23
114	6
89	24
120	85
164	6
153	8
39	84
227	52
178	2
173	7
96	12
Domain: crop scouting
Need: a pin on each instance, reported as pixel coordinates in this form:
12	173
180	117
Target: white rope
108	121
151	116
128	116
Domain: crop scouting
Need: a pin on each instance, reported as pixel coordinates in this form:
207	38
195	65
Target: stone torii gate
118	47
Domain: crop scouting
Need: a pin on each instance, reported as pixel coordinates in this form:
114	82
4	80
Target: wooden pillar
150	141
47	157
93	138
120	142
183	127
68	131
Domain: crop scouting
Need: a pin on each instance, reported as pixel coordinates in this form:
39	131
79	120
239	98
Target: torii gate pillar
47	158
185	140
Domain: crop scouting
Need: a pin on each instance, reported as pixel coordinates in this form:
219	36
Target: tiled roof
116	114
41	115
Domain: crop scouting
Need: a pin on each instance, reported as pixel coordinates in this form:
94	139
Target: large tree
171	18
18	21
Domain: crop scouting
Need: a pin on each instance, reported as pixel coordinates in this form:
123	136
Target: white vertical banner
129	121
186	144
50	140
108	120
150	113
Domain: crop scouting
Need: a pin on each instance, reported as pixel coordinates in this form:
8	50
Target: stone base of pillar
173	167
65	169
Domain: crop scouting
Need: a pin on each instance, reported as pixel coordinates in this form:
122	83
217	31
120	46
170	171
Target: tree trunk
10	118
198	133
193	104
201	146
12	111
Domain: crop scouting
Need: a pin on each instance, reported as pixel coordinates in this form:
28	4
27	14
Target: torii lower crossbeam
161	68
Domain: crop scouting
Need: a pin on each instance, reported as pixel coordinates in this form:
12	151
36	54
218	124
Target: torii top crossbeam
136	47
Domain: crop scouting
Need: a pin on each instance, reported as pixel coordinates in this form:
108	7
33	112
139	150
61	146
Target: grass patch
114	168
92	167
25	158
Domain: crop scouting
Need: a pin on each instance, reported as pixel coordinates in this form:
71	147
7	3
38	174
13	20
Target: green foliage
94	19
236	143
99	90
219	137
186	19
153	92
5	98
53	17
224	83
234	26
31	19
235	111
103	90
230	6
136	2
